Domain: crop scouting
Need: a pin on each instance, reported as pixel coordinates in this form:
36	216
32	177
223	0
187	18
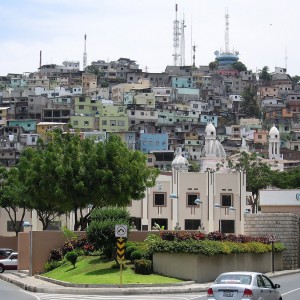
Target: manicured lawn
94	270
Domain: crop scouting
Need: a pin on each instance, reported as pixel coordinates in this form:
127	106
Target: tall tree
40	170
239	66
249	104
258	174
13	197
289	179
69	174
264	74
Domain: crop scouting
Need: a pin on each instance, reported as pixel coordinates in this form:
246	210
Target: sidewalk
40	284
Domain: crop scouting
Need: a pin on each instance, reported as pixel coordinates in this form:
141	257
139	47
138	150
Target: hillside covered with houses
152	112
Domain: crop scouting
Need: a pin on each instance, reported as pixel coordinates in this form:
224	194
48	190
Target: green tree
13	197
213	65
289	179
69	174
295	79
39	169
249	104
264	74
239	66
101	231
258	174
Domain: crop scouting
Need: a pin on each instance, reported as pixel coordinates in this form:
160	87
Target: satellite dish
216	52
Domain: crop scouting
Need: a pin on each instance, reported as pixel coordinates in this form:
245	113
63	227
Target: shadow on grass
103	271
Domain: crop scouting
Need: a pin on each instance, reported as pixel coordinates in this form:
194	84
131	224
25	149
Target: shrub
136	254
129	250
143	266
72	257
55	255
53	264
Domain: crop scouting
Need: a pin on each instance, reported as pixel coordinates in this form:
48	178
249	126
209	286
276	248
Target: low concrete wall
9	242
201	268
42	243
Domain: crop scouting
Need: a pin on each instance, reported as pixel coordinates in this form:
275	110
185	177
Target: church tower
274	143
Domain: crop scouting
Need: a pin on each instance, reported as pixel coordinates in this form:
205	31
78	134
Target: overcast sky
265	32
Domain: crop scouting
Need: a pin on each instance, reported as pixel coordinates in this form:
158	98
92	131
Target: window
75	123
86	123
54	225
191	199
159	199
226	200
81	106
104	122
159	223
190	224
113	123
121	123
10	227
227	226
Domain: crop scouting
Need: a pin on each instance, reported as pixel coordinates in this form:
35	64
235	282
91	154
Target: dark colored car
5	252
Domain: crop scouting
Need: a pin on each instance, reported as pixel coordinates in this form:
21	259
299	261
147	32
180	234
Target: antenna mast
226	31
176	37
194	55
286	58
84	54
182	44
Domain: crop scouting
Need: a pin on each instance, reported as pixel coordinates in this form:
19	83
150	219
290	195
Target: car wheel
2	269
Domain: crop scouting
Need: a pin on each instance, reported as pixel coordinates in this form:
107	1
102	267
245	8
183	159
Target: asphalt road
290	290
11	292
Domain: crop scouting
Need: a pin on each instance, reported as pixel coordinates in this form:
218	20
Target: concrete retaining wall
201	268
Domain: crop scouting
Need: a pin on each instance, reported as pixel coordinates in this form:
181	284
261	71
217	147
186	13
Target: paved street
113	297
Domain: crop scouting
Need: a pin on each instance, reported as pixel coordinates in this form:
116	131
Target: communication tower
176	35
182	44
194	55
84	54
226	31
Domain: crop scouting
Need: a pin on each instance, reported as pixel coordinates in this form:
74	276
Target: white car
9	263
243	286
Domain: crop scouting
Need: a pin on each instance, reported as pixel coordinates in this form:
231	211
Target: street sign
272	238
120	249
121	231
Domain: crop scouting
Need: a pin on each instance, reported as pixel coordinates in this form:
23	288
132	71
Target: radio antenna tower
176	35
182	43
84	54
226	31
194	56
286	58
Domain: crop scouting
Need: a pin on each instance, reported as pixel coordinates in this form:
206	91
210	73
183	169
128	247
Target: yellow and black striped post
120	255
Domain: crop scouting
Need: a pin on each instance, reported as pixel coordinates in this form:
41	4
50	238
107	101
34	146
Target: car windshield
234	279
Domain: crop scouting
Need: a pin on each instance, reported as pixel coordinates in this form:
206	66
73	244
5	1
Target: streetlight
174	196
28	224
198	202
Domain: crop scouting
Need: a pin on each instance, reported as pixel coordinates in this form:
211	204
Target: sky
264	32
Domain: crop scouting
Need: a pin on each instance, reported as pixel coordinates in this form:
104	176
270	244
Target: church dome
274	132
210	129
220	152
180	162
